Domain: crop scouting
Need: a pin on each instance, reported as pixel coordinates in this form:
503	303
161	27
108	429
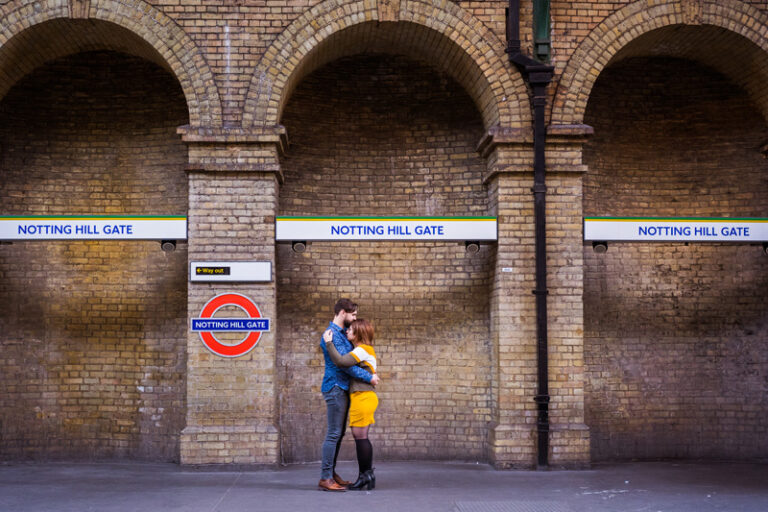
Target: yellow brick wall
675	334
239	67
93	359
387	136
231	402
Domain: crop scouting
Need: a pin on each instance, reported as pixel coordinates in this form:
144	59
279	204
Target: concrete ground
421	486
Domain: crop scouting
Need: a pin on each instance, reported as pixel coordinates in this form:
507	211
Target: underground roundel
253	325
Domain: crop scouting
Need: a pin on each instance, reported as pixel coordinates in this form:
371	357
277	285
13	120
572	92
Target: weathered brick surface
605	35
675	334
244	67
428	302
440	33
570	435
93	359
133	26
231	403
513	324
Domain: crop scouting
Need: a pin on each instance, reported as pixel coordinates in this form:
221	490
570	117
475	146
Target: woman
363	399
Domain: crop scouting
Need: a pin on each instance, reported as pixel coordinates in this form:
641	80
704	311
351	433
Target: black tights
364	448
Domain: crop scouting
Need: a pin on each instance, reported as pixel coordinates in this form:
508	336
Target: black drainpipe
539	76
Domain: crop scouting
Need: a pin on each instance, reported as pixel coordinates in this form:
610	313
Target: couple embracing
348	390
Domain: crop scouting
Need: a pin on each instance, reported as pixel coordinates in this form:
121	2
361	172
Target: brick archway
132	26
730	22
437	32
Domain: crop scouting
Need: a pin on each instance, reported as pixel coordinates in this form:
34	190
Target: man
335	390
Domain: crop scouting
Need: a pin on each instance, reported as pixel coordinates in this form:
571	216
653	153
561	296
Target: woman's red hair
363	331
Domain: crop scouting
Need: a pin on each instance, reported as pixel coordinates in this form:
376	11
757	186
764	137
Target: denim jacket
335	376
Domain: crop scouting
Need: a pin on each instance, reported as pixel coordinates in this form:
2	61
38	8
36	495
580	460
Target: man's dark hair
345	304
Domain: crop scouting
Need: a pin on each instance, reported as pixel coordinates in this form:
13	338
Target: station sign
230	271
675	229
253	325
24	228
385	228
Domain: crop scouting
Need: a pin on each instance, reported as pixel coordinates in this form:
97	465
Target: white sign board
93	228
231	271
675	230
385	228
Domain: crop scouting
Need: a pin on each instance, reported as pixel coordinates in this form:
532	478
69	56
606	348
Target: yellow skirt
361	408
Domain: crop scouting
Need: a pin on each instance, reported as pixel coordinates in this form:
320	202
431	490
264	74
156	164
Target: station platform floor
400	486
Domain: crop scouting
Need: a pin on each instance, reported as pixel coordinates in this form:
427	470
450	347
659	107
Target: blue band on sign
230	324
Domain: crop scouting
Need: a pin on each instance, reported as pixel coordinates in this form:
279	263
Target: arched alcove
437	32
32	33
674	333
723	35
385	135
94	332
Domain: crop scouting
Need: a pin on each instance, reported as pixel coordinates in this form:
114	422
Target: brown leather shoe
330	485
340	480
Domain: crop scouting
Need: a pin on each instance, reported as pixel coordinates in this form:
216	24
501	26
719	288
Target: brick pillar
569	436
232	414
512	438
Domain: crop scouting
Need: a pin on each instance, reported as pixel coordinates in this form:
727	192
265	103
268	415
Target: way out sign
252	325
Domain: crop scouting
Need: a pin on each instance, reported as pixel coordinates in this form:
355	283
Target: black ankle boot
371	479
362	481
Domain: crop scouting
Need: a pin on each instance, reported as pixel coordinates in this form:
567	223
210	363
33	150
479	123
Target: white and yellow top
363	356
366	355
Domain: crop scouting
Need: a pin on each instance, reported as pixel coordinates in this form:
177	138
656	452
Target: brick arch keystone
158	30
635	20
455	35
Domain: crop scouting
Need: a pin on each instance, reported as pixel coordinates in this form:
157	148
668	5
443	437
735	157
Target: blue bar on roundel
230	324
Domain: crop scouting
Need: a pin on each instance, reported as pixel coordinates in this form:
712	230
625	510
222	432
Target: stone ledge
570	130
566	169
498	135
235	135
567	135
236	167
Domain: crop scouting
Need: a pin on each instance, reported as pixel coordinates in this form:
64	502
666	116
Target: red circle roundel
253	325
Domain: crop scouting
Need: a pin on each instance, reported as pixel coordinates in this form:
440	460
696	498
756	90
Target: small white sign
93	228
231	271
385	228
675	230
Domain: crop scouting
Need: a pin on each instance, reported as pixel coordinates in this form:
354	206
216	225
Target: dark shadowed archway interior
676	335
380	135
93	333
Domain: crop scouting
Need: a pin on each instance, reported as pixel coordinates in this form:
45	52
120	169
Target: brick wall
234	35
407	147
383	136
676	335
232	402
727	36
93	358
